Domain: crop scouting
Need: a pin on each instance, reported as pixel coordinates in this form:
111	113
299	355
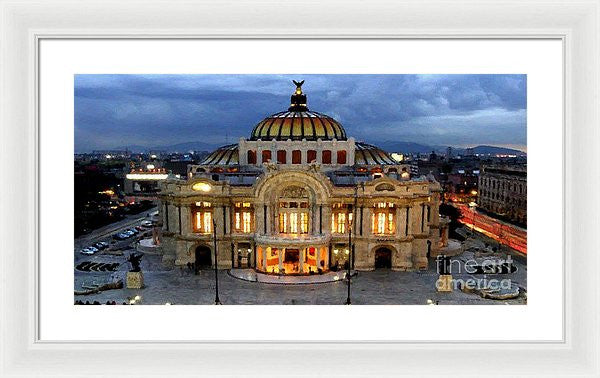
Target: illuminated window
293	217
326	157
311	155
283	222
247	222
341	157
202	215
341	215
303	223
341	223
242	218
383	218
294	223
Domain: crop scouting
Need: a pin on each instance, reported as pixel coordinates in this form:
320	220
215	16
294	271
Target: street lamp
350	249
348	301
217	301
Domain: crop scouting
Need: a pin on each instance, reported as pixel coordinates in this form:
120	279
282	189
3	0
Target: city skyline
150	110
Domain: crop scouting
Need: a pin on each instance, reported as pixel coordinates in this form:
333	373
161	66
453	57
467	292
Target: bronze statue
135	259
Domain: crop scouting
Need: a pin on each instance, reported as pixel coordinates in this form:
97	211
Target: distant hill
492	150
405	147
179	147
416	148
389	146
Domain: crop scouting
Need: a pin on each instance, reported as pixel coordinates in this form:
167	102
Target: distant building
142	180
448	152
503	191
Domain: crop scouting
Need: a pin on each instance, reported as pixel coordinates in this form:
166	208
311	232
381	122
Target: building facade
503	191
287	200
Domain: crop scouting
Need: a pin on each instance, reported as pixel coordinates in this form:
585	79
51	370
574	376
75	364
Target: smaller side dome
226	155
367	154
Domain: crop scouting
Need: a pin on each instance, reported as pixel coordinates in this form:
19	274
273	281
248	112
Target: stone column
367	214
280	256
302	257
265	254
326	258
404	257
326	220
185	219
218	214
318	257
259	219
400	218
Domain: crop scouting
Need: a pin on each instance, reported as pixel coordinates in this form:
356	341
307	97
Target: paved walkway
253	276
180	286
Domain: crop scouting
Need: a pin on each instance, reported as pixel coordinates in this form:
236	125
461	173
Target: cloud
113	110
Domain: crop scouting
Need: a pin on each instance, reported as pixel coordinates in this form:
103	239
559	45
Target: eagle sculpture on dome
298	86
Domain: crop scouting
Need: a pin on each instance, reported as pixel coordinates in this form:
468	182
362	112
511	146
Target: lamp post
217	301
350	249
348	301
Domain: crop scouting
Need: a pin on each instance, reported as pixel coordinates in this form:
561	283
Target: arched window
281	157
341	157
311	155
266	156
326	157
296	157
251	157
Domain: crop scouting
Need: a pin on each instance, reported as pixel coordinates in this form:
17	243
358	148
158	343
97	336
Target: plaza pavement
380	287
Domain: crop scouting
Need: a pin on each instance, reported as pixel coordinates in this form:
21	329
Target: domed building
284	200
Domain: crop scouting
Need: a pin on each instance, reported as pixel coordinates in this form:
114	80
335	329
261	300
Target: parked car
86	251
93	249
147	224
101	245
120	236
139	228
134	231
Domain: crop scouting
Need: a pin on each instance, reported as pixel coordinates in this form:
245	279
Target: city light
397	157
150	166
108	192
146	176
202	187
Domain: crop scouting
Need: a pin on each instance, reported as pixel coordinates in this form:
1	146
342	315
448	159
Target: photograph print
300	189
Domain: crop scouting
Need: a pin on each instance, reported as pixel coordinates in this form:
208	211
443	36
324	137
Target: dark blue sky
154	110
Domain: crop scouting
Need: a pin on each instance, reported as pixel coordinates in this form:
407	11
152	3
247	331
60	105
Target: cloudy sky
154	110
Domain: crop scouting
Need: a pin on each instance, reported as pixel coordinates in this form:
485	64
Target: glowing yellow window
341	226
247	222
294	223
381	223
304	223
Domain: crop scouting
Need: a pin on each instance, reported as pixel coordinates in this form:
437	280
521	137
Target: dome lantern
298	100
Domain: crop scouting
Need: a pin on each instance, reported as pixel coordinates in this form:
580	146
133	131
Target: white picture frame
24	24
